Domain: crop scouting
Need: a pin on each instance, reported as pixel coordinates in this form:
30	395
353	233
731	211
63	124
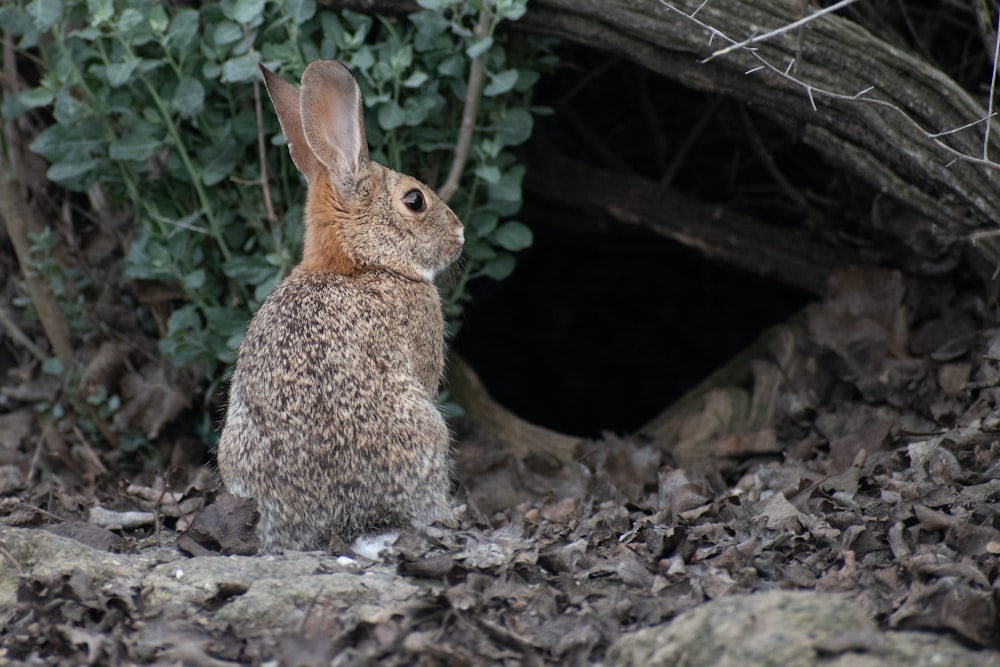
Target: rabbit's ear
285	98
333	117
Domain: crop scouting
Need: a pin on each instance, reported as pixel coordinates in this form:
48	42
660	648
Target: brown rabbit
333	425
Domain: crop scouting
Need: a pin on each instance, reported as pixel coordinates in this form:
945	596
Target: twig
19	337
993	84
17	564
758	147
261	144
262	156
473	91
811	92
960	128
780	31
36	459
689	140
89	454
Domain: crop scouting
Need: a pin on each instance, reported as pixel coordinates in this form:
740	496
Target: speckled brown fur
332	423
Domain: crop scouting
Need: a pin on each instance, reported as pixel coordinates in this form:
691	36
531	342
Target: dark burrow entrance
603	324
601	333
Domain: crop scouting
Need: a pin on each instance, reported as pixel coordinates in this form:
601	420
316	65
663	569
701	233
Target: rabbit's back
332	425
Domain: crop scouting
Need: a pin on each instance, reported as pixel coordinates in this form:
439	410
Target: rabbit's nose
461	235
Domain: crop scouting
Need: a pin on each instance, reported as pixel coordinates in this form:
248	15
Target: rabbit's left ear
333	117
285	98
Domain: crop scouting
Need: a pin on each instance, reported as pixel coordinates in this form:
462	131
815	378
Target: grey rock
787	629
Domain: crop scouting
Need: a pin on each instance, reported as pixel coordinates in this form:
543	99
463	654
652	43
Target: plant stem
474	90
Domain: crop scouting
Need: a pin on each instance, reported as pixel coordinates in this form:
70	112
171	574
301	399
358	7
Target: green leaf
249	270
241	68
499	267
390	116
189	97
479	252
512	236
116	74
264	289
44	13
515	127
100	11
300	11
130	20
242	11
363	59
429	24
28	99
194	280
15	20
185	318
500	83
67	174
489	173
136	147
221	164
67	110
481	222
183	29
452	66
226	320
415	80
479	48
52	366
57	142
226	32
510	10
184	342
509	187
158	19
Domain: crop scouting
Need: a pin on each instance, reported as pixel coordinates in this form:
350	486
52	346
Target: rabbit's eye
414	200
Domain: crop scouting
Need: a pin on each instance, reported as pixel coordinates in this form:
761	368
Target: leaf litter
860	459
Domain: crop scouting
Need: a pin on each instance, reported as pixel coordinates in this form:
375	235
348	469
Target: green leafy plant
159	105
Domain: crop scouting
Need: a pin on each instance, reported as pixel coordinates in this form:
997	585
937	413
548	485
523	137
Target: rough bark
882	138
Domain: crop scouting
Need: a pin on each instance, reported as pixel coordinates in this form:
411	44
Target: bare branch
473	91
261	145
993	84
812	91
780	31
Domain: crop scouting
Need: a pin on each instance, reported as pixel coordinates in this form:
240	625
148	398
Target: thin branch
261	146
771	166
961	127
811	91
690	138
780	31
262	156
19	337
473	91
993	84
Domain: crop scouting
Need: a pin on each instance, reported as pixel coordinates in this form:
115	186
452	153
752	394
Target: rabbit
332	424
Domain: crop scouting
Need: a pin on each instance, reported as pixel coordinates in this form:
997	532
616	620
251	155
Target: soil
839	507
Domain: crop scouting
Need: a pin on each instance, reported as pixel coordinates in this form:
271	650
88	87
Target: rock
272	592
248	594
787	629
44	556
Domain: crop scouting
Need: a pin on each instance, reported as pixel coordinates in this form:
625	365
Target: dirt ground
860	463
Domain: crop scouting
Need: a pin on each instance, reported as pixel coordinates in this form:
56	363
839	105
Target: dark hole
602	333
604	324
